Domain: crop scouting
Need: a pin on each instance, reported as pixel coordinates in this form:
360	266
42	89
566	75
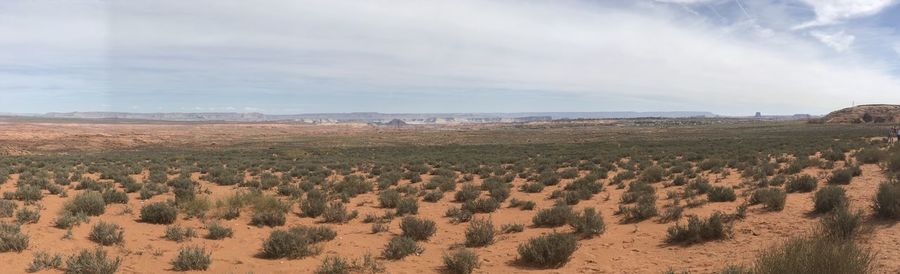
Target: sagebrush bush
314	204
644	209
842	223
408	206
7	208
773	199
887	200
552	250
588	223
804	183
458	215
338	265
217	231
105	233
482	205
111	196
699	230
27	215
841	176
552	217
828	198
296	242
433	196
467	193
512	228
192	258
89	203
721	194
399	247
417	229
389	198
337	213
92	262
480	233
870	155
43	260
813	255
158	213
12	238
463	261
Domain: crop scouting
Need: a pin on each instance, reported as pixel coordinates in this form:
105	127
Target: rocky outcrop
865	114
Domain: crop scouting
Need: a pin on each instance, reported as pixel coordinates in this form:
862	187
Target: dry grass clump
463	261
192	258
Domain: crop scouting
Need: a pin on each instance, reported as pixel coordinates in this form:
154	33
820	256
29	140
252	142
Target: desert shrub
841	176
552	250
644	209
588	223
27	215
399	247
532	187
458	215
12	238
552	217
178	233
338	265
653	174
433	196
88	262
700	185
337	213
67	219
106	233
721	194
158	213
499	193
192	258
408	206
389	198
314	204
111	196
463	261
89	203
773	199
269	211
815	255
296	242
870	155
480	233
379	227
804	183
887	200
467	193
417	229
196	207
842	223
512	228
28	193
91	185
7	208
217	231
43	260
482	205
698	230
828	198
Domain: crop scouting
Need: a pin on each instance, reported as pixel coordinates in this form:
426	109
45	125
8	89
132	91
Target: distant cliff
865	114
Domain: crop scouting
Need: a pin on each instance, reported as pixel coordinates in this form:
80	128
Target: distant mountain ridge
875	113
375	117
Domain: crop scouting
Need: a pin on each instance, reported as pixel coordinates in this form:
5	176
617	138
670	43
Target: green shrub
870	156
338	265
314	204
887	200
532	187
433	196
480	233
158	213
841	176
467	193
482	205
842	223
337	213
271	218
196	207
43	260
463	261
28	193
698	230
296	242
105	233
68	220
389	198
458	215
588	223
551	251
111	196
96	262
178	234
721	194
644	209
12	238
218	232
407	206
828	198
816	254
399	247
192	258
552	217
417	229
89	203
28	216
7	208
804	183
773	199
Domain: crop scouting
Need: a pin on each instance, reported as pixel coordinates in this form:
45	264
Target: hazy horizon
728	57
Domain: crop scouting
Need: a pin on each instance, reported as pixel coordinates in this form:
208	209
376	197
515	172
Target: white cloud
839	41
829	12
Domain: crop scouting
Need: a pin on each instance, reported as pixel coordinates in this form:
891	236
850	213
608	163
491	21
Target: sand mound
865	114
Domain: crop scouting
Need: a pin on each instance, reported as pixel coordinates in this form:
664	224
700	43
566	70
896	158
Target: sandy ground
623	248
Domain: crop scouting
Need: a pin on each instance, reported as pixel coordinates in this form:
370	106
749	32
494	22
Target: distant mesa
876	114
396	123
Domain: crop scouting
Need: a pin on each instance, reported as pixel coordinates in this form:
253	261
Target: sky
730	57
